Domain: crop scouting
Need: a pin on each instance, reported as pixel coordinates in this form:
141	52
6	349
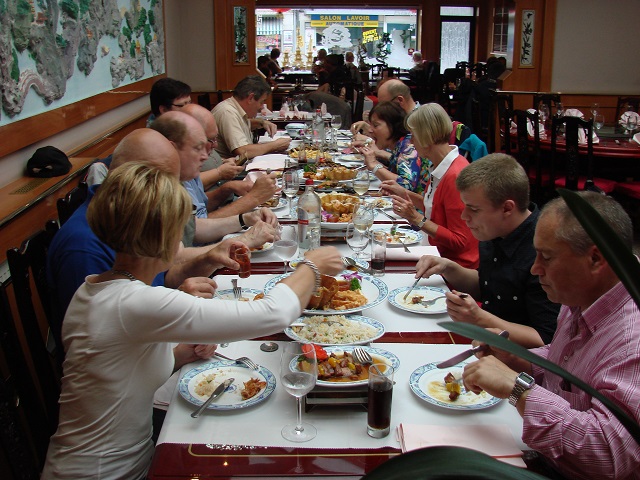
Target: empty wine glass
286	245
595	108
290	186
543	113
559	110
598	121
357	239
361	182
298	373
632	123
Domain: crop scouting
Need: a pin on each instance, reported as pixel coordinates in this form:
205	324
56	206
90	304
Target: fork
246	361
237	291
432	301
362	356
394	227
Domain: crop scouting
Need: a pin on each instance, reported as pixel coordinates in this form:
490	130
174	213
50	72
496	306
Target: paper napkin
417	251
625	117
262	162
493	440
582	136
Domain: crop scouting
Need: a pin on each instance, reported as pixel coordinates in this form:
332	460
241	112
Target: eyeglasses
180	105
212	141
394	98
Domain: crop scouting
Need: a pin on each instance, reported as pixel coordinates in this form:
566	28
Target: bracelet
313	267
241	220
376	168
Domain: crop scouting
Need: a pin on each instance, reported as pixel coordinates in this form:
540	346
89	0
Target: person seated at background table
430	127
389	132
236	120
335	105
118	329
353	69
263	67
273	64
188	136
334	77
495	192
597	340
318	61
417	73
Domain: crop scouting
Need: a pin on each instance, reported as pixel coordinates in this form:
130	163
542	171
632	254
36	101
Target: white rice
319	331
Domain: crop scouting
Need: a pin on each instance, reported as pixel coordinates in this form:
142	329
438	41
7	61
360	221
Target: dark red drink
377	264
243	257
379	409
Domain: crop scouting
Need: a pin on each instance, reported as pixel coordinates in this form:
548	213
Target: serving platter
427	382
296	333
231	399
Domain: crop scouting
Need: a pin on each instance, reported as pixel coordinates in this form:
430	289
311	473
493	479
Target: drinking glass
298	378
632	123
595	108
598	121
336	123
543	113
361	182
362	217
290	187
356	239
559	110
286	245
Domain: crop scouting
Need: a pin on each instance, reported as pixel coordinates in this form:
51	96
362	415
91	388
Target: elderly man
188	136
236	120
495	193
597	340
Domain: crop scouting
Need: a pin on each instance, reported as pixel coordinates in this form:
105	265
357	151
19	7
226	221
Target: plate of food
338	368
248	294
348	292
419	294
352	157
326	330
408	237
265	247
360	262
439	387
249	388
275	203
383	203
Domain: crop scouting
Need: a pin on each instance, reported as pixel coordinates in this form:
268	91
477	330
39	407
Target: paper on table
416	252
493	440
262	162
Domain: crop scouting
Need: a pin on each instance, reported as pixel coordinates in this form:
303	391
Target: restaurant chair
551	100
480	69
451	78
27	266
358	108
499	123
204	100
572	178
623	105
529	156
463	65
70	202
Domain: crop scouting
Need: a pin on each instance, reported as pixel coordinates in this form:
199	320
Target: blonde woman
118	330
430	127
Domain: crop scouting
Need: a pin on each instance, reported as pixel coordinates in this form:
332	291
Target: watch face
526	380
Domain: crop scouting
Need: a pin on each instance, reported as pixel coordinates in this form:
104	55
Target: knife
216	393
467	353
411	289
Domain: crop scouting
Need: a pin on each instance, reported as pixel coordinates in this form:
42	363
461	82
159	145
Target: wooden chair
623	105
500	123
27	264
572	179
450	76
70	202
528	154
204	100
358	107
551	100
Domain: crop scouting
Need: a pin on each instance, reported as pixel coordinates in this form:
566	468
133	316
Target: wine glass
286	245
357	239
361	182
598	121
595	108
298	374
290	187
363	217
543	113
632	123
559	110
336	123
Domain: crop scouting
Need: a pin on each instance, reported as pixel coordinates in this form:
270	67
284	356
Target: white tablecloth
343	427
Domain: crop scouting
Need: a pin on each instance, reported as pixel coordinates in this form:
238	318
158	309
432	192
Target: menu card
493	440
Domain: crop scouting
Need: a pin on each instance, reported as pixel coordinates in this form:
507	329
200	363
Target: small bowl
293	129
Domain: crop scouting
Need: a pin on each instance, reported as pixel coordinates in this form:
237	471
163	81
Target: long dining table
246	442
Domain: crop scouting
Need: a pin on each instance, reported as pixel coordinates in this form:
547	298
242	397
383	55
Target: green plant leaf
451	463
479	333
622	260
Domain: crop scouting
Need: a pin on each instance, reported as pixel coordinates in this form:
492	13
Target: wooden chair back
528	153
358	107
70	202
500	123
551	100
572	155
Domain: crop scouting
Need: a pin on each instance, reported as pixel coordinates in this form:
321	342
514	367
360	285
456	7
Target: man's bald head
206	120
393	89
147	146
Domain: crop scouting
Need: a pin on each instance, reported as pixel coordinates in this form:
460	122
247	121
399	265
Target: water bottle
319	135
309	215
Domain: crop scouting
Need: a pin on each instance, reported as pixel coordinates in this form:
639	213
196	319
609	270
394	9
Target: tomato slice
321	353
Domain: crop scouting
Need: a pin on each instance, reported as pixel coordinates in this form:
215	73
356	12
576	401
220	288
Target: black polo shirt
507	287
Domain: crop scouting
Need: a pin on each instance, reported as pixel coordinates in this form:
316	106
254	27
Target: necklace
124	273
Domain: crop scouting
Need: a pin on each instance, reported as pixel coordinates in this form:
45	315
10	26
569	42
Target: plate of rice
350	330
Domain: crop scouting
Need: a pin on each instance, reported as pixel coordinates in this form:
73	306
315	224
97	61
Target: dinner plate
266	247
374	289
223	369
383	203
440	306
294	332
352	157
408	236
282	202
247	294
359	261
379	356
427	382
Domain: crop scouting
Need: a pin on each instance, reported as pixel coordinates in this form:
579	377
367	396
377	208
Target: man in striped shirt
597	340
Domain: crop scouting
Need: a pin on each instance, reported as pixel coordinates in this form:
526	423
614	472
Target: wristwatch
421	223
376	168
524	382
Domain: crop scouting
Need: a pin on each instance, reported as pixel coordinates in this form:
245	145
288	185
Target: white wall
596	47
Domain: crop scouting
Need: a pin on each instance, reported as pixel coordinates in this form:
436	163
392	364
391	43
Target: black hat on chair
48	162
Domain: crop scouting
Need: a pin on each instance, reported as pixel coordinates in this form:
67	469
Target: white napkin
272	160
417	251
636	138
295	110
514	126
582	136
323	109
625	117
265	112
493	440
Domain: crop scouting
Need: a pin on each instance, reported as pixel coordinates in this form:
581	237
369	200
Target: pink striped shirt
574	431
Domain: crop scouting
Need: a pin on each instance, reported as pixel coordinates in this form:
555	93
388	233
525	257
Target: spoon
350	262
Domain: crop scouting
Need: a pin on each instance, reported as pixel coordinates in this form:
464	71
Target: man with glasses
166	95
236	120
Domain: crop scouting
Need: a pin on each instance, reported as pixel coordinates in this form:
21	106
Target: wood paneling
25	132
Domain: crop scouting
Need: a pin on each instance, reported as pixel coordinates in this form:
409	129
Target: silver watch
524	382
421	223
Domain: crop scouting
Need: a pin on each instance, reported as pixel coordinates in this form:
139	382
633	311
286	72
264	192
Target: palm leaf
479	333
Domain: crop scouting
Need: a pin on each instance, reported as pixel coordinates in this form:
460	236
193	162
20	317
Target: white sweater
117	337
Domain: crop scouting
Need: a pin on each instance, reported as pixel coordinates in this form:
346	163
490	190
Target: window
500	30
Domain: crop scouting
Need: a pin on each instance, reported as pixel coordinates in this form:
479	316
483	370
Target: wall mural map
56	52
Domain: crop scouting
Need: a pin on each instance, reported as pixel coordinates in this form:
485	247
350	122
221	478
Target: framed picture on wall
526	38
241	55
